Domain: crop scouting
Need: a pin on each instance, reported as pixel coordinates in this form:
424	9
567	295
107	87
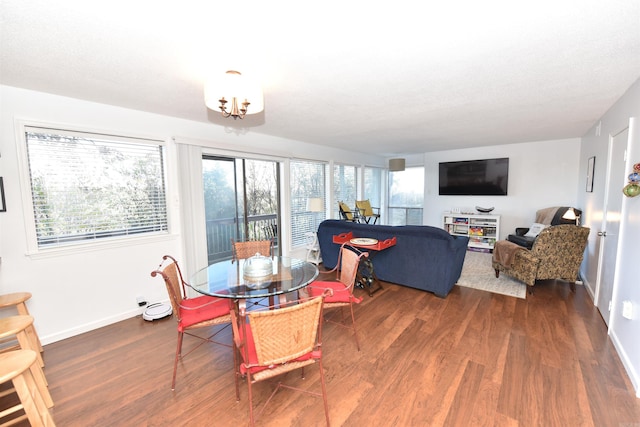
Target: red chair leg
175	362
324	392
236	370
353	324
251	420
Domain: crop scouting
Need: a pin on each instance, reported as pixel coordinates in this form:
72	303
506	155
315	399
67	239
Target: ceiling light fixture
244	95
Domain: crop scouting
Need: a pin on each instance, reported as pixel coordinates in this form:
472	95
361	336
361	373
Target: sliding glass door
241	199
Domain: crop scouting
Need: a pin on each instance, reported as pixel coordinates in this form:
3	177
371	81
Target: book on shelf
476	231
460	230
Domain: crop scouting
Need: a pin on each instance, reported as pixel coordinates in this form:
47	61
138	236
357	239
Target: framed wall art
3	206
591	164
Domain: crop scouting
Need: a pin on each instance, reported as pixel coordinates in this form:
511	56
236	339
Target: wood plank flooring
471	359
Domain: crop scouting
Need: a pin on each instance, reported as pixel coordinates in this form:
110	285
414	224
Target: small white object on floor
157	311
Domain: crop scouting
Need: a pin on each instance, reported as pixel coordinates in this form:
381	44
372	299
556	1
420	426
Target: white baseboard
628	366
81	329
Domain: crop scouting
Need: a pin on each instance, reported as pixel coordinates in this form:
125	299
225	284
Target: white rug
477	273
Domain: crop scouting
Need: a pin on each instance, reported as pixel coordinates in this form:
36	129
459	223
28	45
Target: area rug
477	273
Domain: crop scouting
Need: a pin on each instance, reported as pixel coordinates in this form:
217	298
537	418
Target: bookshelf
482	229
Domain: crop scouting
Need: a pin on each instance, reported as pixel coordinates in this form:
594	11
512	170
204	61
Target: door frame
612	173
240	182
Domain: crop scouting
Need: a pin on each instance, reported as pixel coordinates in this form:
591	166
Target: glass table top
227	279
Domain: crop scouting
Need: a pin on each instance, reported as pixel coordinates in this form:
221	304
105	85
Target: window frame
337	191
390	195
299	241
35	251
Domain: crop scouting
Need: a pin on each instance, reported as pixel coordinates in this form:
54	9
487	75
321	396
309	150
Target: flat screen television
488	177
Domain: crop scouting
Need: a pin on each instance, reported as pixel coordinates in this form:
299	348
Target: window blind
90	186
307	181
345	182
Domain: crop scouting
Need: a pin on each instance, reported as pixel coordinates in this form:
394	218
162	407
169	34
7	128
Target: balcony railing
221	231
405	216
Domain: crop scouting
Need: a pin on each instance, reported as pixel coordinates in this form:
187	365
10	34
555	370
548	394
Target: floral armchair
556	254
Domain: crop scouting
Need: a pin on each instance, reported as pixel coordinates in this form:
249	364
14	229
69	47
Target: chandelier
243	96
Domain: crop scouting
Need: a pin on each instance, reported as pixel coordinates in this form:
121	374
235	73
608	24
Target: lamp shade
396	165
231	85
315	205
570	214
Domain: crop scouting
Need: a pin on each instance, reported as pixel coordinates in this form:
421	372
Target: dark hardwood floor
471	359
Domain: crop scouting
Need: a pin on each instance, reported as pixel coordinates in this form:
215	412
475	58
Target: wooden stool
17	367
17	299
18	325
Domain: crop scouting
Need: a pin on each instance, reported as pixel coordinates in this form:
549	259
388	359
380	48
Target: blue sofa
424	257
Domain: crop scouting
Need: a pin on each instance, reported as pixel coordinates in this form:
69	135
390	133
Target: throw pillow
535	229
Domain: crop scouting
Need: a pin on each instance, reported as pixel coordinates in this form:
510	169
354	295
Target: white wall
77	292
625	333
541	174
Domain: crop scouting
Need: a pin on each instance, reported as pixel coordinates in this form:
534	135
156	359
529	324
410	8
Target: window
307	181
373	185
345	186
241	202
406	196
87	187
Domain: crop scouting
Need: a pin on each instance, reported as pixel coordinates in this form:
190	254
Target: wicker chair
191	313
556	254
244	250
276	341
342	296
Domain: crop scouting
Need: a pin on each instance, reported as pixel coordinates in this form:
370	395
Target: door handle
602	233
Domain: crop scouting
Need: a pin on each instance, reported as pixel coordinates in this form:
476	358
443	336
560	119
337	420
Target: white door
608	236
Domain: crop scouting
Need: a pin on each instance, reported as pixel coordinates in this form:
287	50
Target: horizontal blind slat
307	181
89	186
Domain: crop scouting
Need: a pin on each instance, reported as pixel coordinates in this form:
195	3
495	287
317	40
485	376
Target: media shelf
482	229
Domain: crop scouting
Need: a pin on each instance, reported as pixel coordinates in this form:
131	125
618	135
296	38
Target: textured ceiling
394	78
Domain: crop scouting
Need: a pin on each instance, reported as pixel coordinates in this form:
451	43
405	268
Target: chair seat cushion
200	309
253	356
340	292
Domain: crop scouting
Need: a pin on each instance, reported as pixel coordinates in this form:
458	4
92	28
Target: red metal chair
274	341
191	313
346	270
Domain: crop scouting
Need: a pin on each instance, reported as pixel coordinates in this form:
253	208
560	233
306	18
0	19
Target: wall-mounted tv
487	177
